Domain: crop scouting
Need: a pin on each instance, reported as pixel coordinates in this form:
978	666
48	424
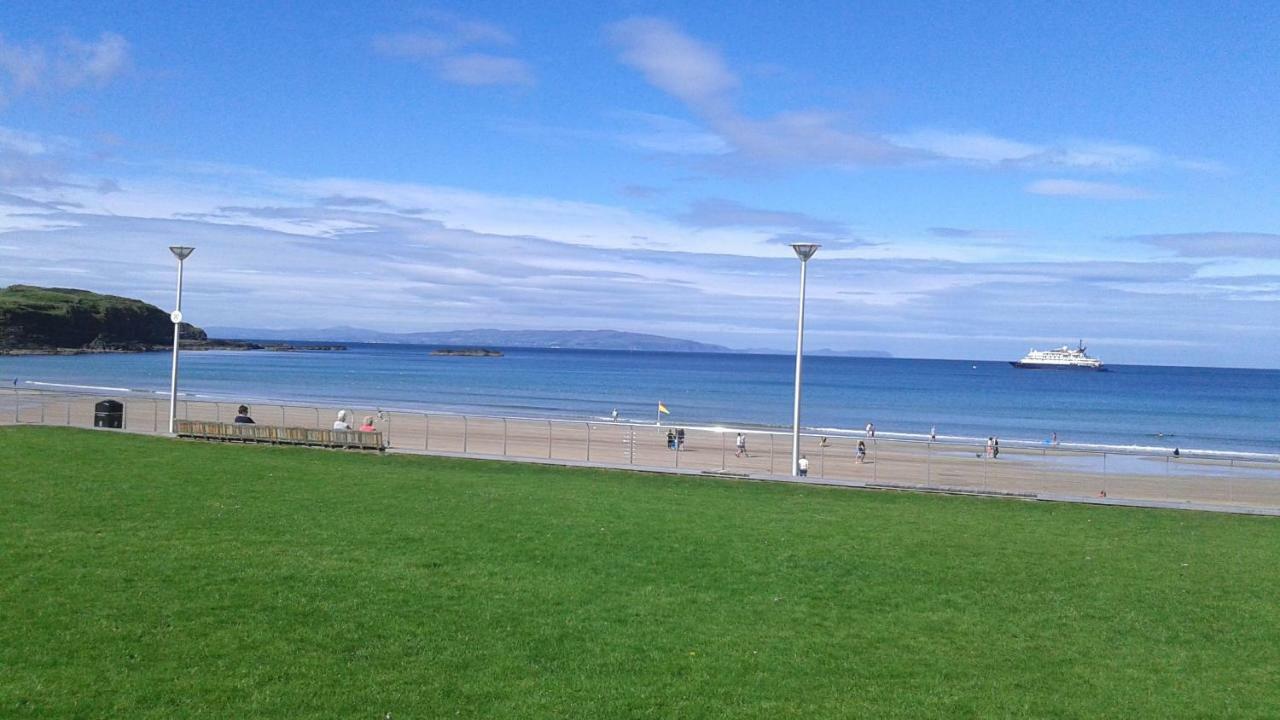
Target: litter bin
108	414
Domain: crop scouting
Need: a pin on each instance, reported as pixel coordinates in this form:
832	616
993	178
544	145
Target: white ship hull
1063	358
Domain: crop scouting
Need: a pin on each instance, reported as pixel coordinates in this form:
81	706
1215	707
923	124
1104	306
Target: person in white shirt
803	466
341	423
741	444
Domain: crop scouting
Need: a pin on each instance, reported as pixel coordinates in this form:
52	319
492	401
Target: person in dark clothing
671	440
679	438
242	415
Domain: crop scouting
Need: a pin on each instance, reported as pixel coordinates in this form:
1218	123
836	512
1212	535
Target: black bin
108	414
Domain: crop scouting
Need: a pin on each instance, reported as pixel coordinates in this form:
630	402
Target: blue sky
983	177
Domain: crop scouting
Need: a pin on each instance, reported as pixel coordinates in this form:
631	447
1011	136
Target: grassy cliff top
39	318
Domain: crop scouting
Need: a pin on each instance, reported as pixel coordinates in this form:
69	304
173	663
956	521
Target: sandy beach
1034	472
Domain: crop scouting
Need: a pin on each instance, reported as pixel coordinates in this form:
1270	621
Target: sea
1129	406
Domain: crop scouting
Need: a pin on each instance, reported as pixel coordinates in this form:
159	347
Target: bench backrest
284	435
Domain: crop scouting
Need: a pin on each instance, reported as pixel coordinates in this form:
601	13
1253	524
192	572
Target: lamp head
804	251
181	251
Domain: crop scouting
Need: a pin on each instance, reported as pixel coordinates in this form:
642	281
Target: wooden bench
249	433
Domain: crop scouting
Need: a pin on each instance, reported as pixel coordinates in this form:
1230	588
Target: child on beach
741	444
862	452
802	467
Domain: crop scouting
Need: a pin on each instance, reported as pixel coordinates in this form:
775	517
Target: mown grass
144	577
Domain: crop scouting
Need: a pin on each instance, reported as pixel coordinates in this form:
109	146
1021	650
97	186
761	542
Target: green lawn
144	577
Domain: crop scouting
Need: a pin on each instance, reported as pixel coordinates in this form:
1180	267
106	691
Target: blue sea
1191	408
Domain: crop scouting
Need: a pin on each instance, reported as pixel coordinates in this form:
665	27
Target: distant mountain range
569	339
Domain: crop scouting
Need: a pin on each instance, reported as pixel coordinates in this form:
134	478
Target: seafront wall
1052	473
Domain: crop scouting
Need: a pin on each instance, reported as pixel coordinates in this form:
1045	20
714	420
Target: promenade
1234	484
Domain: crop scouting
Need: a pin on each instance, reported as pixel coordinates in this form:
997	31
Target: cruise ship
1065	358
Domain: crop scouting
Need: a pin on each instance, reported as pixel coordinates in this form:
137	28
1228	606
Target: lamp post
180	252
804	251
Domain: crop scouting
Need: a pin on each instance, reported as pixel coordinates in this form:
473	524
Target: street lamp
804	251
180	252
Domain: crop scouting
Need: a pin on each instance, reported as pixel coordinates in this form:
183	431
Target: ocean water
1190	408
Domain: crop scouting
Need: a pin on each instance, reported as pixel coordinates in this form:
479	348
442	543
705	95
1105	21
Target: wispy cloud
64	64
1088	190
1218	244
718	212
698	76
448	48
970	233
988	150
664	134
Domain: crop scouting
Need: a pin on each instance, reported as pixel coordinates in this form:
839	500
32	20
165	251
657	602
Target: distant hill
568	339
38	319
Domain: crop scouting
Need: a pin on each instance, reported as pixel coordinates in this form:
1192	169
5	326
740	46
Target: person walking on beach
614	415
242	415
871	430
990	445
995	448
1053	438
679	438
862	452
802	467
671	439
741	445
341	423
933	434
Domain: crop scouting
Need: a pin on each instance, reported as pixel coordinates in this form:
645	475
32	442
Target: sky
983	177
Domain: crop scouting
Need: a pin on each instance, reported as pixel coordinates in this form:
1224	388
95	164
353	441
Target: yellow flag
663	409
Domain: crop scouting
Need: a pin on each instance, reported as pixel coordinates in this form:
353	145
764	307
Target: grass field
144	577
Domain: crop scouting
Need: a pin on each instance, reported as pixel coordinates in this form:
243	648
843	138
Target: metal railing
1238	481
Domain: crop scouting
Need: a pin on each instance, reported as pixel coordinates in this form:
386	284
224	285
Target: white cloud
674	62
989	150
697	75
1088	190
448	49
65	64
483	69
1218	244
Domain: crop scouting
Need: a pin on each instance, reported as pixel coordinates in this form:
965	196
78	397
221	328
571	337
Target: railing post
588	442
631	445
722	455
550	439
822	460
464	434
426	433
504	437
17	401
317	417
770	453
875	461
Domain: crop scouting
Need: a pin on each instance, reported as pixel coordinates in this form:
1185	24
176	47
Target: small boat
1063	358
